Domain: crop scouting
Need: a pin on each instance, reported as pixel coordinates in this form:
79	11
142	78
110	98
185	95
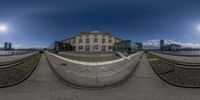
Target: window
95	40
95	35
110	41
109	47
80	36
80	40
88	35
87	48
88	40
103	48
103	41
95	47
74	41
80	47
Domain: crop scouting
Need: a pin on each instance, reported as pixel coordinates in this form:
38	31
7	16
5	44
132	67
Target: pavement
14	57
144	85
94	75
195	59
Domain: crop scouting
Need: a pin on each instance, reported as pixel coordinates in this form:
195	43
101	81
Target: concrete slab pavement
145	85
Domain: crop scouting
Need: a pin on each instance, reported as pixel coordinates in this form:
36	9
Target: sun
3	28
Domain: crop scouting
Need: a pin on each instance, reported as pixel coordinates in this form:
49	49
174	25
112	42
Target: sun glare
3	28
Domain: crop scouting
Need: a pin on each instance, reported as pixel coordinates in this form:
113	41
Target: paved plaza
144	85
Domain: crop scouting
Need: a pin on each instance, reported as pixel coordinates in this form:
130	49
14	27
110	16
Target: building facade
161	45
126	46
92	41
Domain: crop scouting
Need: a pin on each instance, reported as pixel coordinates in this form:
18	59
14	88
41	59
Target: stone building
92	41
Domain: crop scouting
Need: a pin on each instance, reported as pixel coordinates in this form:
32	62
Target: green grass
156	62
30	64
149	56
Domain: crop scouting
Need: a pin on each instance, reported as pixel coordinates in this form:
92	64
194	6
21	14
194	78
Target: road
144	85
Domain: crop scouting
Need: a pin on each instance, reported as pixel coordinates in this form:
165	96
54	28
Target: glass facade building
125	46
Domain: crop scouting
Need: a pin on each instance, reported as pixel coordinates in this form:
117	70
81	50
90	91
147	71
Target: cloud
17	46
1	45
40	46
155	44
152	44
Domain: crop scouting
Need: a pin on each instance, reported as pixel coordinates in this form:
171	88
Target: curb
92	63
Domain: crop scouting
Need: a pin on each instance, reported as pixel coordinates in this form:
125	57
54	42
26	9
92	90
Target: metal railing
15	62
175	63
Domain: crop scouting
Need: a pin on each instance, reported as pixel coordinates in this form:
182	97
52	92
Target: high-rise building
161	44
7	46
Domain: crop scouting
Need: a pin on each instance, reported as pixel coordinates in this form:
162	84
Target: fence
181	64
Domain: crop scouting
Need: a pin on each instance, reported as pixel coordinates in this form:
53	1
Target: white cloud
17	46
152	44
191	45
1	45
40	46
155	44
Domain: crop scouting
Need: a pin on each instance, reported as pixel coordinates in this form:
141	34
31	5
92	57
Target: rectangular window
74	41
95	40
87	48
88	40
95	47
103	41
80	47
109	47
88	35
110	41
103	48
80	40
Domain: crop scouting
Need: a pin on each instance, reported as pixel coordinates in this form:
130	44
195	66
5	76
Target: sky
37	23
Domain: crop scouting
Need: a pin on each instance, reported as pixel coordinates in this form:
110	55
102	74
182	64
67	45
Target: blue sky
37	23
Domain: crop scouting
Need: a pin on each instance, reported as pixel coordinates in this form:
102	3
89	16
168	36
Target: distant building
126	46
173	47
140	46
170	47
162	45
7	46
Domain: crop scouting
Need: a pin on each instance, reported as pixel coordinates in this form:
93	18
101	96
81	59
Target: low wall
87	54
84	76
